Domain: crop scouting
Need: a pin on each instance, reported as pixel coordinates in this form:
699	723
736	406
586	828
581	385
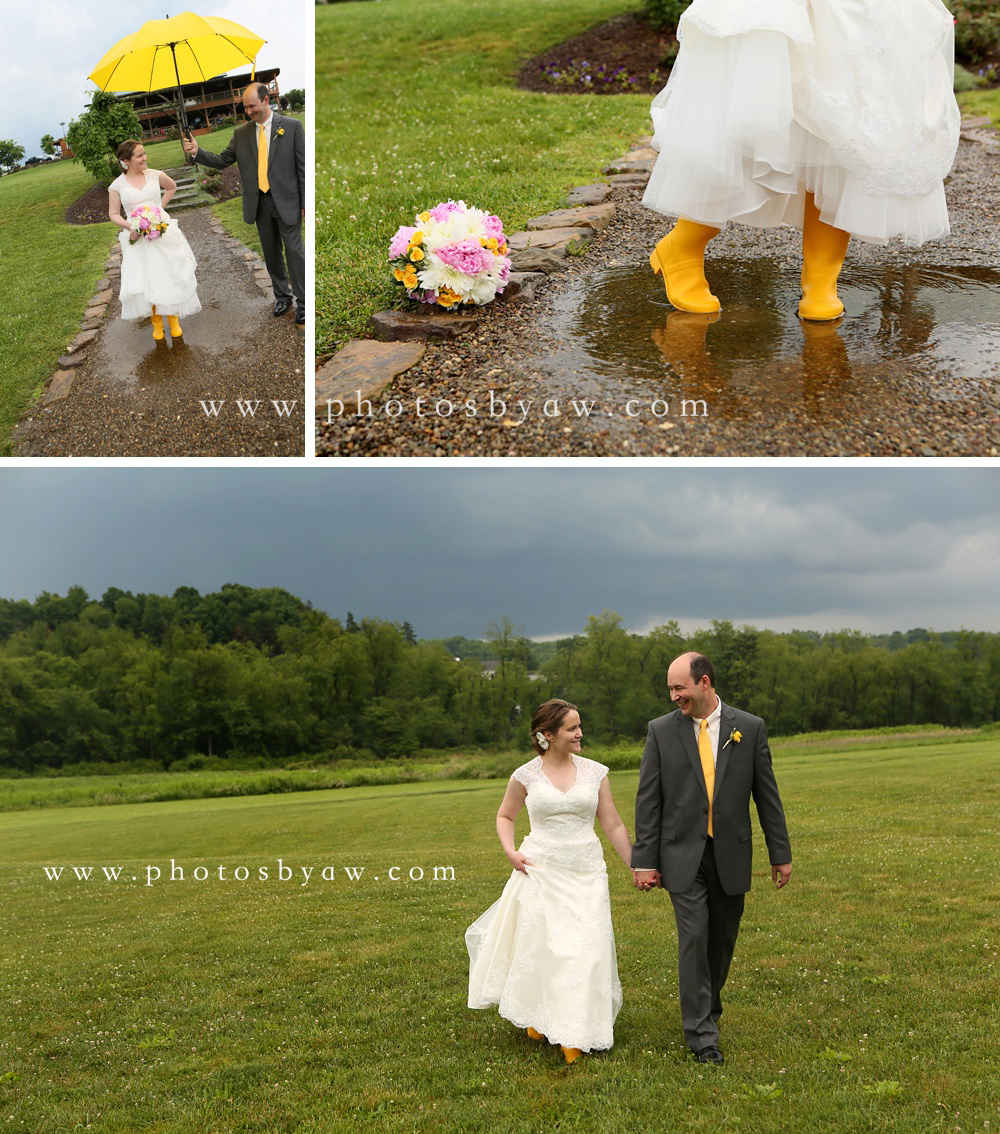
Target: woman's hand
519	862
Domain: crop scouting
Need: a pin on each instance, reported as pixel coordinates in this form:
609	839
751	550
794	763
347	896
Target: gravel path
756	381
136	398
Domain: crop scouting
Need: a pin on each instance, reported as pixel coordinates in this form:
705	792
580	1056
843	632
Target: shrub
664	13
977	28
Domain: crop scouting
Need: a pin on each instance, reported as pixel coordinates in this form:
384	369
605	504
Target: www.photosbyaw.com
150	874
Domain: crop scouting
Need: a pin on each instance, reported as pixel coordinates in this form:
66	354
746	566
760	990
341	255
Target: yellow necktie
262	183
707	767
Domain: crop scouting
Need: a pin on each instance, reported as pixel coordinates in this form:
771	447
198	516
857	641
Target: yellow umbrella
167	53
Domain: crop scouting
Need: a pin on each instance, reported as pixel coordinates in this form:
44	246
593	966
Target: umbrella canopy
183	49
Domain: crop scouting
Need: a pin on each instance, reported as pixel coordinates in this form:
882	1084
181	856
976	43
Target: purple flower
467	256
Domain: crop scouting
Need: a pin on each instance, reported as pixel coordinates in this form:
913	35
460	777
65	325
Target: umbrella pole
181	116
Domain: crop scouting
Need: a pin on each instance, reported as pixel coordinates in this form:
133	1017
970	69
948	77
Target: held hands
646	879
781	875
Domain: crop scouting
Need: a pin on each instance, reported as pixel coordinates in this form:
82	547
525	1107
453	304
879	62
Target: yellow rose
409	279
416	238
398	273
425	217
416	254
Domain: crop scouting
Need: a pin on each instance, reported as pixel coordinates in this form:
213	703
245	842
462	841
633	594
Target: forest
253	677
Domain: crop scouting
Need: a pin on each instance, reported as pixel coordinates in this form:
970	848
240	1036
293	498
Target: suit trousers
708	920
275	237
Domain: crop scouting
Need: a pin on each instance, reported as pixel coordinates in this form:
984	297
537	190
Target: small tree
295	98
48	144
97	133
11	154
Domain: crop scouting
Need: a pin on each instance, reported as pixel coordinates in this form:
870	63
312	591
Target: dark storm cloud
450	549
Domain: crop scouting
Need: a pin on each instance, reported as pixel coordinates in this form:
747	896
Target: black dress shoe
708	1055
281	306
300	317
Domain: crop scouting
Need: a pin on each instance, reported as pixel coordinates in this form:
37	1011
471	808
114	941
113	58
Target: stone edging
61	382
363	368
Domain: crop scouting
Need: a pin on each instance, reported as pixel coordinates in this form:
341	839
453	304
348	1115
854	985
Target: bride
157	275
836	116
545	951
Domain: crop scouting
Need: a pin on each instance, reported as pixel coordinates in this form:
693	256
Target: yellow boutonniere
734	737
281	131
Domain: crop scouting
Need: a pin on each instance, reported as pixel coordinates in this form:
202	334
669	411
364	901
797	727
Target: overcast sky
452	549
49	47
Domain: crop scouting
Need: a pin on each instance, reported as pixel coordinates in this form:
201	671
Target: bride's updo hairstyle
126	150
548	718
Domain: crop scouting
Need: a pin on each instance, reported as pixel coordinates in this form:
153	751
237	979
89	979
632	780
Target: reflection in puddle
617	336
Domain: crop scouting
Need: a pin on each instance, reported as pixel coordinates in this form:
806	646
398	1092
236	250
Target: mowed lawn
416	103
862	998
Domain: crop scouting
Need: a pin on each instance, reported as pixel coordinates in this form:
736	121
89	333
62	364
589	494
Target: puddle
614	336
129	357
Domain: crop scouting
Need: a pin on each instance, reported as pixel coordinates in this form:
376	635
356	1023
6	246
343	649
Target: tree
99	131
48	144
11	154
296	99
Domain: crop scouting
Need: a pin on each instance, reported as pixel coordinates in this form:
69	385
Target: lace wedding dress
155	272
545	951
848	99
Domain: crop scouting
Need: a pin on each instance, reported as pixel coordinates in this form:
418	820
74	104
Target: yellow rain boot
532	1034
571	1054
157	321
823	250
680	257
175	327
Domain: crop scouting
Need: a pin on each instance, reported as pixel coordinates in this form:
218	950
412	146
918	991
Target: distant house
205	103
489	668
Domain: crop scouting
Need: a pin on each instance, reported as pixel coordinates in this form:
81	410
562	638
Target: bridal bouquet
147	221
453	254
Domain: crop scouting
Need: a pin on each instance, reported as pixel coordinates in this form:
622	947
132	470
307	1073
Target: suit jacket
286	166
671	805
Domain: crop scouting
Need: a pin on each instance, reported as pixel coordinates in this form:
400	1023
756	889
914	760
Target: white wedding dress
848	99
155	272
545	951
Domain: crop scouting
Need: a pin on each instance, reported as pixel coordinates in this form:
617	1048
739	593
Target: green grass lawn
48	269
974	103
415	104
337	1004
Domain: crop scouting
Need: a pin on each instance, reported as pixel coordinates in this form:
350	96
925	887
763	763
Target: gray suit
707	878
277	213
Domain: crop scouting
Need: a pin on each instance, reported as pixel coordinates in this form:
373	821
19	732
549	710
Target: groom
270	150
695	840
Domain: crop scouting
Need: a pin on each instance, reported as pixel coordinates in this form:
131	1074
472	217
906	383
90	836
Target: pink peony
400	242
443	211
493	226
467	256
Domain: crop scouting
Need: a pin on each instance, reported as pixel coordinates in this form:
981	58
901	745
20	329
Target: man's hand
782	874
646	879
190	145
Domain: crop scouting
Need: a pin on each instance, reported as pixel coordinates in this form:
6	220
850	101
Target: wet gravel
232	386
826	400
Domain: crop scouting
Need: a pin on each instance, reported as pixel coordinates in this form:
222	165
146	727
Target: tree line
255	676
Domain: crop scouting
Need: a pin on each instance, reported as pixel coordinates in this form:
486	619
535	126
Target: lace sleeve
527	773
590	771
